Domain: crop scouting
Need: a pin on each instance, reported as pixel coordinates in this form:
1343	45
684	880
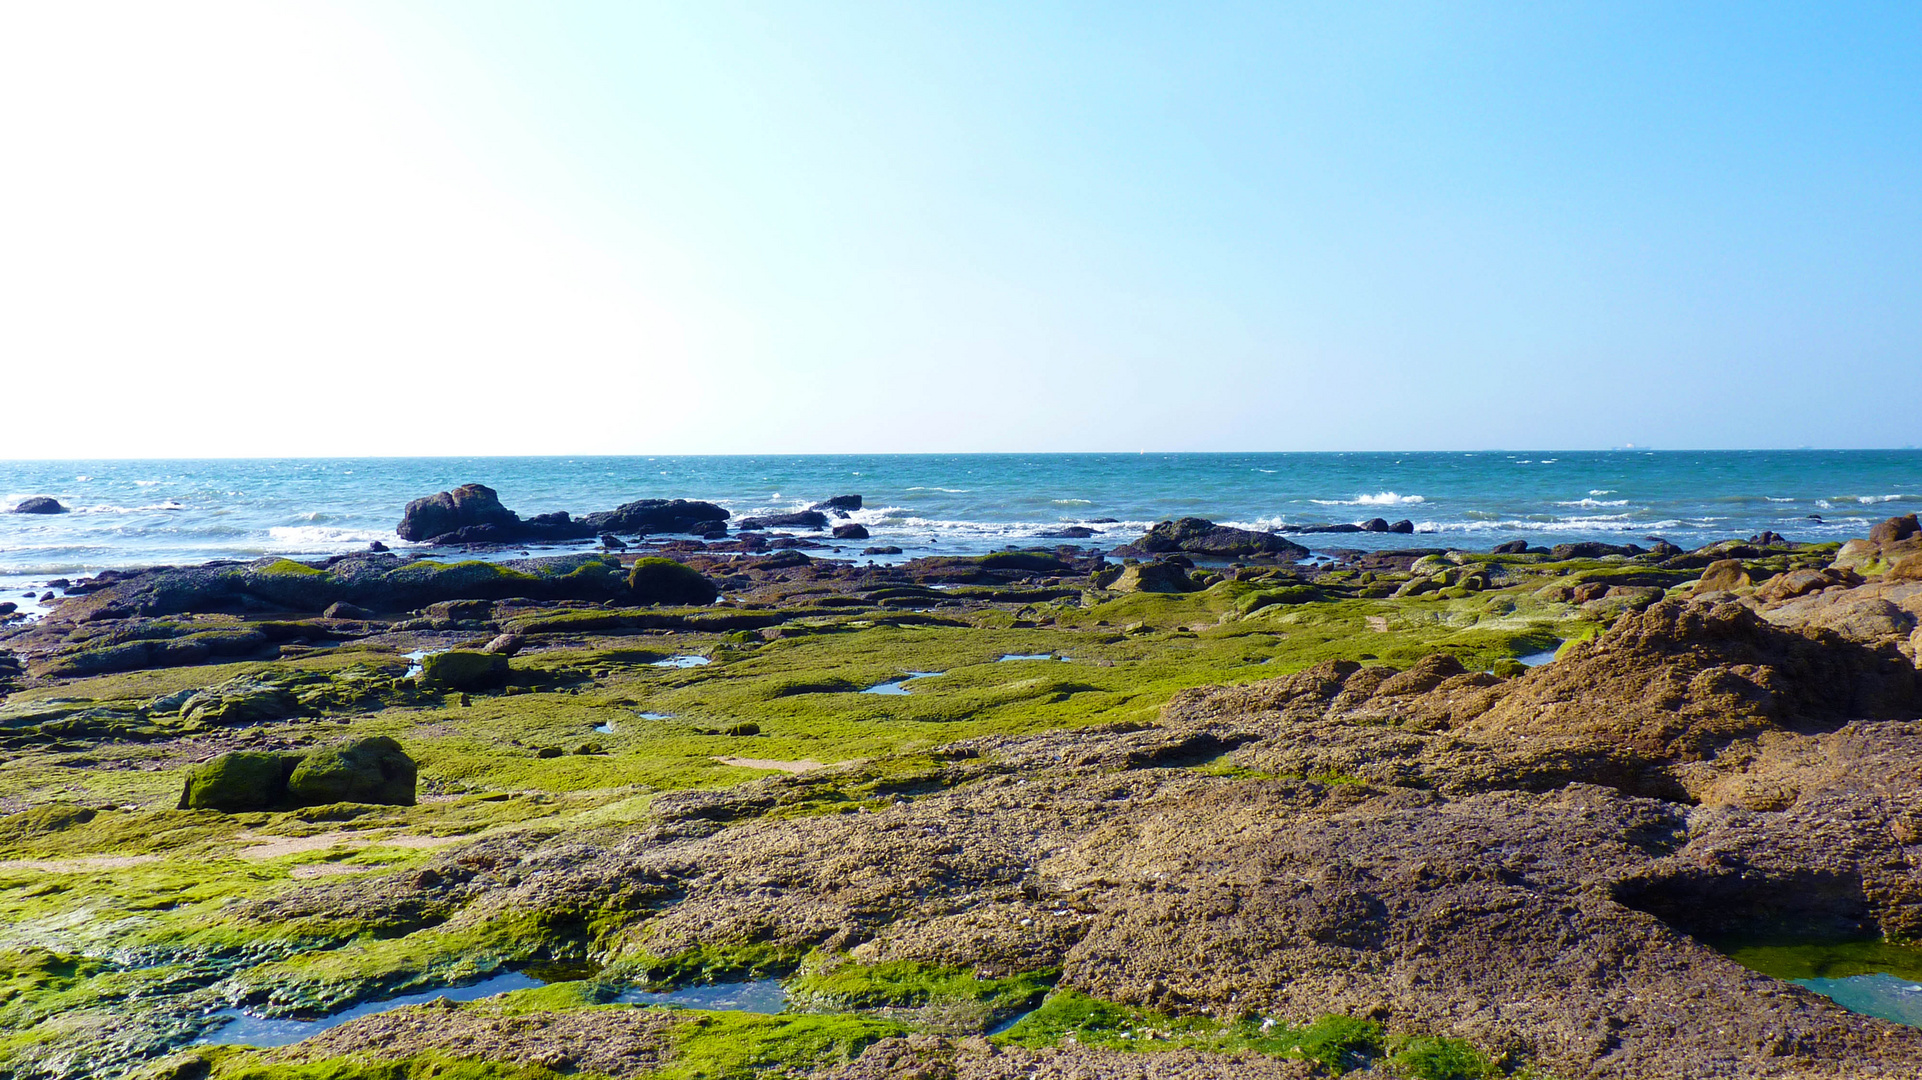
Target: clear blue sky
715	227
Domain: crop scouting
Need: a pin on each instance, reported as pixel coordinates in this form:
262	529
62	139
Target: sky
245	229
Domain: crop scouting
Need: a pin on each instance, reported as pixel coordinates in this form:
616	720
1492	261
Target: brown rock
1723	575
1894	529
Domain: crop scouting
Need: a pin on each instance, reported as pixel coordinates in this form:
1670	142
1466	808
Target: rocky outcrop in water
1200	536
39	504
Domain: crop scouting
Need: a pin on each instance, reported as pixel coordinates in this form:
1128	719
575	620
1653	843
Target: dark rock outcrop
800	519
1200	536
839	502
645	516
466	507
851	532
39	504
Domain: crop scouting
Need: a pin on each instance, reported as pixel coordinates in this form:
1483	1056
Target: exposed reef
1205	812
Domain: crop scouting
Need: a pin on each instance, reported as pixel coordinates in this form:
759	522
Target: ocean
149	512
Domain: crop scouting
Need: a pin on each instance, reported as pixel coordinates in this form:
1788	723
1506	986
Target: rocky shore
1189	808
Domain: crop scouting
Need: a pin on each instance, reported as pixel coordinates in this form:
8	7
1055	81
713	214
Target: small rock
41	504
854	531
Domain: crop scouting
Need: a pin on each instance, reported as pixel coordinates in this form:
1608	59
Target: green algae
1337	1042
828	982
1827	959
735	1046
171	908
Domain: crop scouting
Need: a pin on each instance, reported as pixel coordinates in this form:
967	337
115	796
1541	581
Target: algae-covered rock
664	581
368	770
463	669
242	780
41	820
241	701
1155	577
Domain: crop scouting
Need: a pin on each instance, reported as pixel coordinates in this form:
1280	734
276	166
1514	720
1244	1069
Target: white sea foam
320	538
945	491
1380	498
1591	503
1601	491
1872	499
108	508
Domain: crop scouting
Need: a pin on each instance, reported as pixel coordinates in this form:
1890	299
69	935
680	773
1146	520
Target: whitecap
290	538
1601	491
1591	503
1379	498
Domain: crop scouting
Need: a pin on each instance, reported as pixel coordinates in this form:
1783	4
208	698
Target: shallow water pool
681	662
758	995
245	1029
899	686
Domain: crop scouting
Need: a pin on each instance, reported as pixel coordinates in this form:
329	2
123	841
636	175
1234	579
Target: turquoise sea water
130	513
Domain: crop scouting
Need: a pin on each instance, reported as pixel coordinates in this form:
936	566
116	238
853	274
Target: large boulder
851	531
1154	577
801	519
463	669
41	504
373	769
839	502
1888	532
467	506
239	781
657	516
1722	575
1200	536
664	581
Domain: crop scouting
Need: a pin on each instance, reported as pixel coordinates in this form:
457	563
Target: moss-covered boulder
1155	577
463	669
664	581
242	780
367	770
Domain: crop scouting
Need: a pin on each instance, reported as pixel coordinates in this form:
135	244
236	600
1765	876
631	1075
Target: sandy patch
317	870
273	847
76	866
801	766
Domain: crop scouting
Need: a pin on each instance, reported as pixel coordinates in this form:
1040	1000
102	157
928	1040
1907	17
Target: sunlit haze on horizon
484	228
